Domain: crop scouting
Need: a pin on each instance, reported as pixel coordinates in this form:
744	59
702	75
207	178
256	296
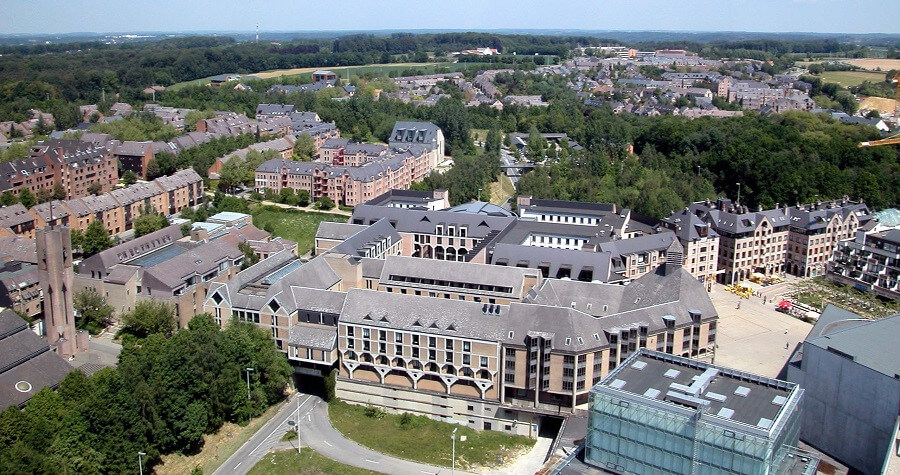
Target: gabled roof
870	343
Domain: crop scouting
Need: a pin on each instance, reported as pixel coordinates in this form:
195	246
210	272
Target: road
507	159
265	438
317	433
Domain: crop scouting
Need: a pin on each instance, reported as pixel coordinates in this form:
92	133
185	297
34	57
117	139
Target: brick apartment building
73	164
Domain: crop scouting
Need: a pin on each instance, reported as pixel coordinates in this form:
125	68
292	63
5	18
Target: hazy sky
61	16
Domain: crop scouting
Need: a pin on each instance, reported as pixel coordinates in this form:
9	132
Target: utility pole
298	423
141	463
453	452
248	370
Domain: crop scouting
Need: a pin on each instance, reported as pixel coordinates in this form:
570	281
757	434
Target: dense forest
166	392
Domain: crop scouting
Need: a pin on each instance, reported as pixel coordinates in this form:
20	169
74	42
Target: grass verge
307	462
216	447
502	190
298	226
421	439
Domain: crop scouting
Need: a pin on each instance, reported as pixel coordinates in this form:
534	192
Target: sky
825	16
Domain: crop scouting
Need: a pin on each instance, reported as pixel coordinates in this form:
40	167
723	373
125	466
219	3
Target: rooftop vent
651	393
764	423
779	400
715	396
742	391
639	365
617	384
672	373
725	413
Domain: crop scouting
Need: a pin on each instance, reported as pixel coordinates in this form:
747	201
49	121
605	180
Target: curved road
317	433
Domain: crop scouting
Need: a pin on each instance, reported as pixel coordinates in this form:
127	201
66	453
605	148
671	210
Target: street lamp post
248	370
479	195
453	452
298	424
141	463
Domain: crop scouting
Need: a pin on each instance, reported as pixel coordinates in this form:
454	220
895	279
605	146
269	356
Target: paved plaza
753	338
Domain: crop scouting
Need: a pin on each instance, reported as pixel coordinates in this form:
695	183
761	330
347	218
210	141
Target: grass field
295	225
216	447
308	462
502	190
424	440
381	69
851	78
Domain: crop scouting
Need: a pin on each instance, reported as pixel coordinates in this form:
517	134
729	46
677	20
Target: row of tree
168	390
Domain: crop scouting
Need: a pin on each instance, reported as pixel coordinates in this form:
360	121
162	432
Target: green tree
149	222
492	142
96	238
8	198
149	317
324	203
129	178
153	170
232	174
59	193
536	145
287	196
26	198
93	312
250	257
305	148
94	188
185	229
302	198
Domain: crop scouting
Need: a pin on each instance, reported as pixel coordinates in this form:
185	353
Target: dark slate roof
599	263
687	225
275	109
13	215
424	221
309	335
445	273
414	132
18	249
25	360
129	148
43	210
103	261
357	244
872	343
338	231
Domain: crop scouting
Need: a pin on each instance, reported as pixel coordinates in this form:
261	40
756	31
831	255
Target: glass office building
659	413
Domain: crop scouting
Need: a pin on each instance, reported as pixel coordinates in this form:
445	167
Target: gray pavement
755	337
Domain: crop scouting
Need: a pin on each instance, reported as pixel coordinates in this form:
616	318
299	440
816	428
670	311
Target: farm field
379	68
875	63
851	78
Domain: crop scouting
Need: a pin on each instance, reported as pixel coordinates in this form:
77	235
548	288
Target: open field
874	63
308	462
298	226
354	70
421	439
216	447
851	78
882	104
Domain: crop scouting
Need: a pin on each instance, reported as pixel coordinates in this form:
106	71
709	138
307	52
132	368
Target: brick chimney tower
55	274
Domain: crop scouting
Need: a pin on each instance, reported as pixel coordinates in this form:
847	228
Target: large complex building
849	368
116	210
870	261
73	165
659	413
492	347
796	240
353	173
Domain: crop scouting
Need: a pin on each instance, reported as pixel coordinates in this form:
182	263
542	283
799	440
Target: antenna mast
257	32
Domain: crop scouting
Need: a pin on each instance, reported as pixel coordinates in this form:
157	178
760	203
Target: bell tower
55	274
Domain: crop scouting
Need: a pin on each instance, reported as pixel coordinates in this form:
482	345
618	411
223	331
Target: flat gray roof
721	392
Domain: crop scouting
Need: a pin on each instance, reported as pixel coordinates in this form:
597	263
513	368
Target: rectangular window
448	357
415	352
432	342
415	339
448	344
467	346
398	350
365	333
467	360
382	335
349	331
432	355
398	337
483	360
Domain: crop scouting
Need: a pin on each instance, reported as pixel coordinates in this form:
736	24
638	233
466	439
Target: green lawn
295	225
851	78
424	440
307	462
